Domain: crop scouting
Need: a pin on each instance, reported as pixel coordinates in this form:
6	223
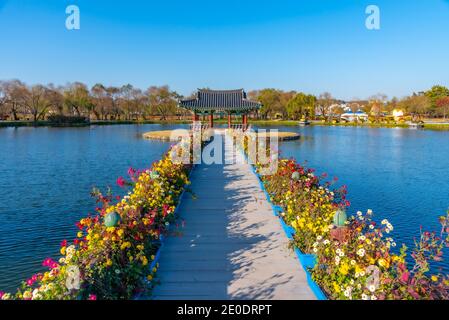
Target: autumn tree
376	105
443	105
416	105
434	94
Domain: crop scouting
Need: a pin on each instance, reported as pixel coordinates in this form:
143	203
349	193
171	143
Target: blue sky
312	46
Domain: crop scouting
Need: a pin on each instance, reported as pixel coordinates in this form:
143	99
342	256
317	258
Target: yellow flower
108	262
336	287
149	277
63	249
434	278
344	269
79	234
383	263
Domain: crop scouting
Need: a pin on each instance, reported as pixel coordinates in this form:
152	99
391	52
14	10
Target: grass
438	127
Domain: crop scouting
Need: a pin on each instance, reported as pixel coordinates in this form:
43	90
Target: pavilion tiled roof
220	100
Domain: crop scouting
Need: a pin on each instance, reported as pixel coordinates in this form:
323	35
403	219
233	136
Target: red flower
64	243
92	297
120	182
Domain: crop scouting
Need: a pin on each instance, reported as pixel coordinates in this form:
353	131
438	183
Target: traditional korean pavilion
231	102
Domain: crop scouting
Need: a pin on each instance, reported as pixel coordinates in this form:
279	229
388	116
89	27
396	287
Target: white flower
36	294
372	288
384	221
353	262
326	242
361	252
371	226
341	254
359	213
319	238
364	297
369	211
373	297
362	273
315	250
393	244
362	238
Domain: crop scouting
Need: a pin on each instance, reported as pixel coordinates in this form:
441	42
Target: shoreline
287	123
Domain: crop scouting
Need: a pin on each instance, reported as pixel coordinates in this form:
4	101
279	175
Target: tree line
18	100
296	105
37	102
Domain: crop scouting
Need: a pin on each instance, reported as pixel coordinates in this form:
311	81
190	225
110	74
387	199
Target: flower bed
113	251
350	258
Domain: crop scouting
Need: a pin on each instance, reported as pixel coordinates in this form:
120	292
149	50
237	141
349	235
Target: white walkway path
231	245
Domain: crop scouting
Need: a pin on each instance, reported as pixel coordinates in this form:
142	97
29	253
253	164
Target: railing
198	126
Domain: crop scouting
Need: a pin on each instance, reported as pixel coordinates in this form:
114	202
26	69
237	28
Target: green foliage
434	94
301	106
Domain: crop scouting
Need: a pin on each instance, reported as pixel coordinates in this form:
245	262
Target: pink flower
64	243
92	297
1	294
131	171
404	277
121	182
47	262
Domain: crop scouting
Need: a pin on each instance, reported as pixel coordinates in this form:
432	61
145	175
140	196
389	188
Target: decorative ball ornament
111	219
295	176
340	218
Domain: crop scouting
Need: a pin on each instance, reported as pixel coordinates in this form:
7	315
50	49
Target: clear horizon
305	46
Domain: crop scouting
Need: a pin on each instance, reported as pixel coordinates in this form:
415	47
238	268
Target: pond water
401	174
47	175
46	178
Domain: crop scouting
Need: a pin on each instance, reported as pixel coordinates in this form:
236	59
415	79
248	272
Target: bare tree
161	101
113	94
13	91
36	101
324	103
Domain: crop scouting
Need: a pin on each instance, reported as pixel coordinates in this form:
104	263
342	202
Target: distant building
354	116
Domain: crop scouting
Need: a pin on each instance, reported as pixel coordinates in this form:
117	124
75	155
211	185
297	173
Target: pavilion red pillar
229	120
244	121
211	120
196	117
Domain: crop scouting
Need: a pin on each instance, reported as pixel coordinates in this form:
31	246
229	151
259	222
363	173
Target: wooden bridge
231	246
